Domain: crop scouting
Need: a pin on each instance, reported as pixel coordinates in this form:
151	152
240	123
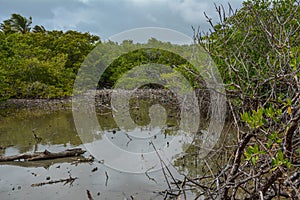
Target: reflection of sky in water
137	154
14	150
129	142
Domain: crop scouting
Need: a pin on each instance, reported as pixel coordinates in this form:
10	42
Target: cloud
84	1
106	17
64	18
190	10
144	2
151	18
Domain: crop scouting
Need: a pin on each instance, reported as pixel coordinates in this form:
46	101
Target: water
57	130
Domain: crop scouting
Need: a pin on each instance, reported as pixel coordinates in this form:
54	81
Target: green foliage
252	46
252	153
255	119
280	160
4	85
273	138
39	64
256	50
16	23
137	58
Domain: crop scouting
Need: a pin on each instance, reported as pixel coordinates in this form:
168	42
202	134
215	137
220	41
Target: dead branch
45	155
69	180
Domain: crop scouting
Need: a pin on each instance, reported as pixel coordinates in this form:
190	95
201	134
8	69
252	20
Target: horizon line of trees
37	63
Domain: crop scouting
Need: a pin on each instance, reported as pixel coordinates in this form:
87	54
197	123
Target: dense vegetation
257	52
38	63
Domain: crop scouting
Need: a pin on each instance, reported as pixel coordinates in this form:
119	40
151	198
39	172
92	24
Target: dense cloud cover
105	18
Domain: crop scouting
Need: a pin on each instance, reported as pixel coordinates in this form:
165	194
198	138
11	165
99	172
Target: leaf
254	159
269	144
289	110
256	149
289	102
280	155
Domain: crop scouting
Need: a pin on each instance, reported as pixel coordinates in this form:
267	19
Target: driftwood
69	180
43	155
47	163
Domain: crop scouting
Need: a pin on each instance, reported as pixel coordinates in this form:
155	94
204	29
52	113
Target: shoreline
103	95
36	103
103	98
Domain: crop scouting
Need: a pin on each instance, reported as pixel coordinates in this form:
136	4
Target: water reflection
57	130
52	127
141	127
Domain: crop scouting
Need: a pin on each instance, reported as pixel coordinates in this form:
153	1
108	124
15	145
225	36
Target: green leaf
288	102
269	144
256	149
254	159
280	155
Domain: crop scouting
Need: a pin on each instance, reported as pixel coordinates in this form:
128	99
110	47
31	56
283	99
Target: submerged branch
69	180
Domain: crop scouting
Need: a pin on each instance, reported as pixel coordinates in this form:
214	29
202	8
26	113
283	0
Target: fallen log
45	155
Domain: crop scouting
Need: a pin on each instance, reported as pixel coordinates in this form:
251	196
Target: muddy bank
36	103
103	98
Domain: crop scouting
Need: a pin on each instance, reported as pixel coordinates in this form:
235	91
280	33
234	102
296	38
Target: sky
108	17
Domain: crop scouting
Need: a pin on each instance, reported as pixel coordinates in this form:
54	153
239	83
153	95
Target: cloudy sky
109	17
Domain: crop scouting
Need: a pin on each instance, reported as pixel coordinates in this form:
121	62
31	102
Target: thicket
256	49
36	63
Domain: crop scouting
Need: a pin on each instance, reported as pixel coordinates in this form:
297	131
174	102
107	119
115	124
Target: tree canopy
36	63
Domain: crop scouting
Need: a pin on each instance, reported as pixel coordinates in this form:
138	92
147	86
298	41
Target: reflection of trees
54	127
142	101
191	164
139	106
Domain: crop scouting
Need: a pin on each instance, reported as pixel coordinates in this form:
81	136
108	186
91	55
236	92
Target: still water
57	131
